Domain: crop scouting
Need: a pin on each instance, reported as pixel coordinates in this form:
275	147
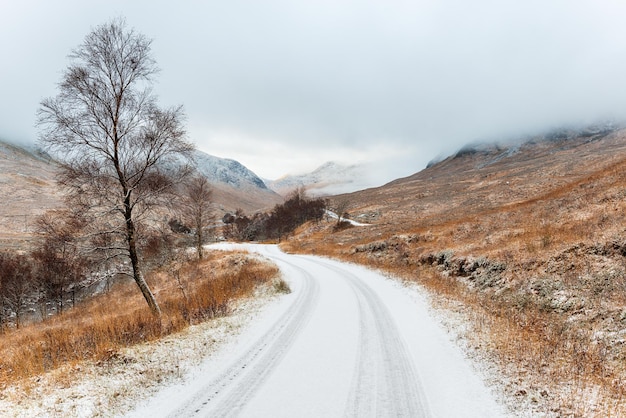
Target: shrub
341	225
99	327
281	286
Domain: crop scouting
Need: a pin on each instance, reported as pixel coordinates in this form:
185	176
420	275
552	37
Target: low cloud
282	85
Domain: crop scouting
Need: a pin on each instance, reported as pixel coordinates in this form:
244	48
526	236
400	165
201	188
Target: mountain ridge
28	184
225	170
528	242
328	179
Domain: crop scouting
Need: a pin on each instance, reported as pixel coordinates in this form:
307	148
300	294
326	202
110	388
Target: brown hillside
531	242
28	189
474	181
251	200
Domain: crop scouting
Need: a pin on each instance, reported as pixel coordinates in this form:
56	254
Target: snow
227	171
357	344
329	179
112	388
346	341
350	221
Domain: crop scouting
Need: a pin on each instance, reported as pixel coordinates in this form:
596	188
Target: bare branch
114	141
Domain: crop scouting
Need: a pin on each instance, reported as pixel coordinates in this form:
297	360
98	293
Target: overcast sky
284	86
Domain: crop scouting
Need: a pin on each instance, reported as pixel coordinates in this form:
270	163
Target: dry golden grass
533	248
97	329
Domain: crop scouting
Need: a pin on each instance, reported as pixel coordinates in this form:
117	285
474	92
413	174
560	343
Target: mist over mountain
333	178
27	175
330	178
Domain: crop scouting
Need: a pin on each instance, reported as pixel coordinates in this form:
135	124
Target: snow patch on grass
521	398
114	386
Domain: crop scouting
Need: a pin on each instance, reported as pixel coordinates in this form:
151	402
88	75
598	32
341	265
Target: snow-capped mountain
234	185
227	171
28	184
330	178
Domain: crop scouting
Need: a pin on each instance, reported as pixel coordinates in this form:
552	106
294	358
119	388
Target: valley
28	180
520	248
527	242
316	209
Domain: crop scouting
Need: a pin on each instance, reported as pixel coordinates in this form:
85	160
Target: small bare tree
113	139
17	284
341	207
195	207
59	259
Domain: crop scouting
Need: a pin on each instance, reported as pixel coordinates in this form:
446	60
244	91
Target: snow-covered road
346	342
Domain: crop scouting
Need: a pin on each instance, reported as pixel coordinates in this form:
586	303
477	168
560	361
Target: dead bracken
536	262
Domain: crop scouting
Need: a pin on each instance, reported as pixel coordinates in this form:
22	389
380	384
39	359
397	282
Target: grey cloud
425	76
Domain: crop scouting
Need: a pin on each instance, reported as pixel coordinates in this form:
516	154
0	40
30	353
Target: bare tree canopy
341	207
16	284
114	141
195	206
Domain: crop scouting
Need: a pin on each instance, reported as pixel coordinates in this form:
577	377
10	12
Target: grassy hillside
189	291
529	241
28	189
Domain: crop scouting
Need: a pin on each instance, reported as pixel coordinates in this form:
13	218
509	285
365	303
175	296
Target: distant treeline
279	222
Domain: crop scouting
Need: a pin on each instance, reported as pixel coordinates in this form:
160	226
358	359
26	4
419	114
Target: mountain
226	171
29	189
329	179
527	241
485	175
234	185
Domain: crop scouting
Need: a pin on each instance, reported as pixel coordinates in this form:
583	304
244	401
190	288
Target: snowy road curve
346	342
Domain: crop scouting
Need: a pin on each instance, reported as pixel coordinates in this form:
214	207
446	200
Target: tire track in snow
227	394
385	382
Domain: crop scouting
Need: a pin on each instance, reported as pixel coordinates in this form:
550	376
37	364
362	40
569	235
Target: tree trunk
134	261
199	238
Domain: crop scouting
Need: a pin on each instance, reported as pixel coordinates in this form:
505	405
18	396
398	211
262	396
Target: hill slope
484	177
528	241
29	189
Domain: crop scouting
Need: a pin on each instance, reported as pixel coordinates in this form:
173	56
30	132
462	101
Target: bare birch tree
113	139
195	207
60	263
17	284
341	207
